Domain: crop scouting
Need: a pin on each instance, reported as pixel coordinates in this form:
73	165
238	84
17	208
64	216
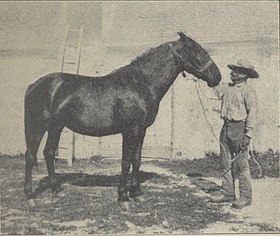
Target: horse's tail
28	111
35	106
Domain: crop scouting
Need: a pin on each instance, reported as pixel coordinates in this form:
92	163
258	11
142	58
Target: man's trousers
231	136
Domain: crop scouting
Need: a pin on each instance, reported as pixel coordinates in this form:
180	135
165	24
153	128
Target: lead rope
251	151
213	133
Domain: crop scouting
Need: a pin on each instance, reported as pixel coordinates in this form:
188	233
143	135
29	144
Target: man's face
237	77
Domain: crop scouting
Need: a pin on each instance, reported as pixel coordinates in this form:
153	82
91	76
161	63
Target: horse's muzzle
212	84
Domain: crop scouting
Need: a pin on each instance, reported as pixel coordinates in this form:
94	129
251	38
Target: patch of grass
57	228
31	230
209	166
266	228
269	162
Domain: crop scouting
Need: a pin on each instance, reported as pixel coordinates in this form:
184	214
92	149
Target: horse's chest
133	107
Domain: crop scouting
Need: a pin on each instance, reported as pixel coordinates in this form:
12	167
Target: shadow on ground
87	180
205	185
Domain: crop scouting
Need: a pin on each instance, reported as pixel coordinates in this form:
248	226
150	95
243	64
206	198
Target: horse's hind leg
49	153
33	138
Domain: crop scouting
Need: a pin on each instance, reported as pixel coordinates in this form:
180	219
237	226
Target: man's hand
245	142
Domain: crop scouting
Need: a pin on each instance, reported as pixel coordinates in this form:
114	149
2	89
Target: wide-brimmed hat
244	67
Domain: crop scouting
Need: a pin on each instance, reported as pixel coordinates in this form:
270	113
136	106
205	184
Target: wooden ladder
70	56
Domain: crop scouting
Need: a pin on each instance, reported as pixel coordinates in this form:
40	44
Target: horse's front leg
122	189
132	145
135	190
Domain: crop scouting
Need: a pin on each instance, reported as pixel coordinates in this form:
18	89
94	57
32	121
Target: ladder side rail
61	59
66	35
78	59
79	49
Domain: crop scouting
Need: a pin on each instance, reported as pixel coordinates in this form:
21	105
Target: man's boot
222	198
241	203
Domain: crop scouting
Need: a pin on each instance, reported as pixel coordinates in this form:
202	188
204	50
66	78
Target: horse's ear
183	37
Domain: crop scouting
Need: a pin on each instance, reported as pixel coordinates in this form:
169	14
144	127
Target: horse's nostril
212	84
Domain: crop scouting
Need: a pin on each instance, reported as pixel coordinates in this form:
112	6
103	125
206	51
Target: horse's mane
146	56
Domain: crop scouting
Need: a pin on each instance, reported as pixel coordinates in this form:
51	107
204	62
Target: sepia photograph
139	117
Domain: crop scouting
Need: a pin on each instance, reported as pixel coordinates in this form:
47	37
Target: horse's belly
94	124
94	130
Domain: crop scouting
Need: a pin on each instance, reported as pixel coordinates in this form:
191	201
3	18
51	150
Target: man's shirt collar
237	85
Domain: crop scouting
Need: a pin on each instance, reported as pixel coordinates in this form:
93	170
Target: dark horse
125	101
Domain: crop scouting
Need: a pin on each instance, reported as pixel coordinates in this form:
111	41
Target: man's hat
244	67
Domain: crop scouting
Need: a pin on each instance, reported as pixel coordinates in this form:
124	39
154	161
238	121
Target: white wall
24	26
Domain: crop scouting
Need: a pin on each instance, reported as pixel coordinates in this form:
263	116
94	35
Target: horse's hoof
140	199
30	202
57	189
123	198
135	192
29	195
125	206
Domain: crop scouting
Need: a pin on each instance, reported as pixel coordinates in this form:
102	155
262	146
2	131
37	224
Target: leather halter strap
174	51
201	70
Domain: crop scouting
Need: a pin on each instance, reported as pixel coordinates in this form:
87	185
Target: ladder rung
70	62
65	148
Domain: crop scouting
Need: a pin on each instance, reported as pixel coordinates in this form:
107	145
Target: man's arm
220	90
251	105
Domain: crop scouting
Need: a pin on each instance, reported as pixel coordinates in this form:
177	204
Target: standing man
239	111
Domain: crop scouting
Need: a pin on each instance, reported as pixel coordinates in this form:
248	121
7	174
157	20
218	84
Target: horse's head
195	60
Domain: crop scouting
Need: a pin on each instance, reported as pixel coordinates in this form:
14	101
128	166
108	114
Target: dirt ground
173	203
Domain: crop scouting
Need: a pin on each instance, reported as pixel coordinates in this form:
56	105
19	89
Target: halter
203	68
200	71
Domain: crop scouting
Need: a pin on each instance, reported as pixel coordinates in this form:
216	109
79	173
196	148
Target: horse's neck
166	76
160	72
